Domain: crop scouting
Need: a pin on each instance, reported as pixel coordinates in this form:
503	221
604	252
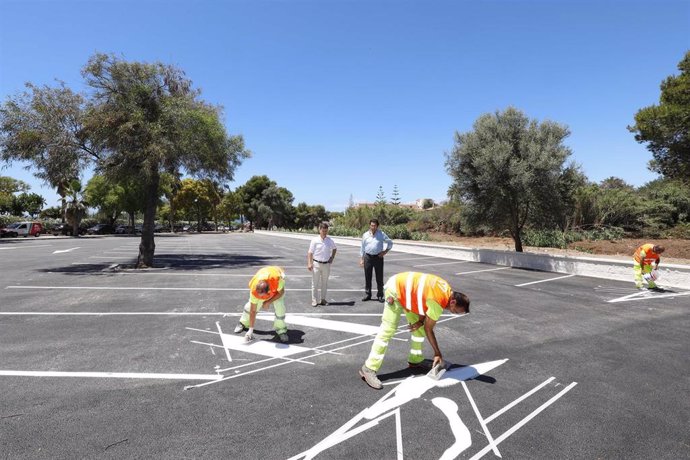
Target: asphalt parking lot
98	360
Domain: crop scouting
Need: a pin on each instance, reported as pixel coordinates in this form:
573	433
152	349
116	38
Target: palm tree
75	209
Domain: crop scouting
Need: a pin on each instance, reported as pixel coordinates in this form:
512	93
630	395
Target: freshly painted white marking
161	313
133	288
463	439
23	246
318	323
544	281
647	295
227	352
65	250
394	259
340	434
517	426
116	375
487	270
413	388
521	398
482	422
443	263
260	347
229	275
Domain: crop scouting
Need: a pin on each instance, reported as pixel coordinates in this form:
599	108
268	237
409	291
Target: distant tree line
160	151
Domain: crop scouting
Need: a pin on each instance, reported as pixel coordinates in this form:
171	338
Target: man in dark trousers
371	258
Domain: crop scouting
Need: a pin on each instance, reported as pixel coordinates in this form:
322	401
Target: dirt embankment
677	250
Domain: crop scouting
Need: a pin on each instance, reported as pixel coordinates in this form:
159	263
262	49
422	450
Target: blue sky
336	98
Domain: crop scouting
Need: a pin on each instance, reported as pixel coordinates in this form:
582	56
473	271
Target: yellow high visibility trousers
637	268
278	307
389	326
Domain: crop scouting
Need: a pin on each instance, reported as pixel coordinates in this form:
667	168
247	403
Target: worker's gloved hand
249	336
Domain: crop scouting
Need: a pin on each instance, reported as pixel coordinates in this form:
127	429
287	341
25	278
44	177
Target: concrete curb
671	275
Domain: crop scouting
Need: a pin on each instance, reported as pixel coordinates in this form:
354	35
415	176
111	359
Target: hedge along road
96	358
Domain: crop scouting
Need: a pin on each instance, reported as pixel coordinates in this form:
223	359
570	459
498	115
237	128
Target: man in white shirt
319	259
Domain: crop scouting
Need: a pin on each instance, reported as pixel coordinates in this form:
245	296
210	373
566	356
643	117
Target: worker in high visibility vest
644	257
266	288
423	298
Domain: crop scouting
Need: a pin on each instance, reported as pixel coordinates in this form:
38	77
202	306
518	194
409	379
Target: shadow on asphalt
192	262
422	370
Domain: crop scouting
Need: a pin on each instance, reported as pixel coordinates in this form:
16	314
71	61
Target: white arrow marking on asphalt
65	250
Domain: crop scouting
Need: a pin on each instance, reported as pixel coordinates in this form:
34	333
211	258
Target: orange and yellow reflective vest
273	275
649	256
415	289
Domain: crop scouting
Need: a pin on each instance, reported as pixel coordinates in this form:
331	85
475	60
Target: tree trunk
147	246
518	242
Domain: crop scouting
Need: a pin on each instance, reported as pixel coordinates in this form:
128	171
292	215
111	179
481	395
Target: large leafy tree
149	120
508	170
250	196
196	199
8	187
106	196
30	203
230	207
309	217
42	127
666	127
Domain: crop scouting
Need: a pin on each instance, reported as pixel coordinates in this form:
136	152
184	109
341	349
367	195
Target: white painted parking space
544	281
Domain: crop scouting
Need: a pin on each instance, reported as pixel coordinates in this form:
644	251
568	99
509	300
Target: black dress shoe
366	298
380	299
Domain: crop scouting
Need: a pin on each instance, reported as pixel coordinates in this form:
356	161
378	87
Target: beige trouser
319	280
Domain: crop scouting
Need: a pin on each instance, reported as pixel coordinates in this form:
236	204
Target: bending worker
422	297
266	288
644	257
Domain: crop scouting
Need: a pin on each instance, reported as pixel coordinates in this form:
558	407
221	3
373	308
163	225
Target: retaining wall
671	275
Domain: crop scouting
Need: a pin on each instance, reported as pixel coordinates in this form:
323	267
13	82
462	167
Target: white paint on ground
260	347
137	288
522	422
463	439
648	295
319	323
65	250
544	281
23	246
518	400
442	263
112	375
486	270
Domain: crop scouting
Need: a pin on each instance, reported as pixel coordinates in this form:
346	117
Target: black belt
372	255
321	262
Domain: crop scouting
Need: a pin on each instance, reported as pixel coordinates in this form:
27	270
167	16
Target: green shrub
559	239
337	230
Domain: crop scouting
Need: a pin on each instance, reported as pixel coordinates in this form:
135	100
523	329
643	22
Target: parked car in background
66	230
100	229
123	229
22	229
9	230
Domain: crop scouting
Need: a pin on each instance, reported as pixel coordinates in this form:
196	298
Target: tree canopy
665	127
509	169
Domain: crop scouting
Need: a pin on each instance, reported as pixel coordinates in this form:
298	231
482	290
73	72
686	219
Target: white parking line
646	295
111	375
443	263
543	281
487	270
131	288
22	246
